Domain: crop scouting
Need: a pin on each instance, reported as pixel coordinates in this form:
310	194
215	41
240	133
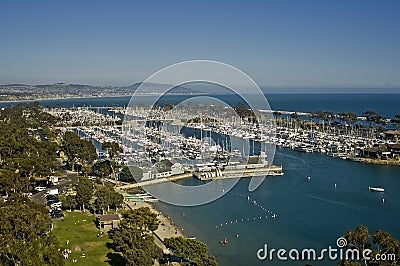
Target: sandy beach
167	227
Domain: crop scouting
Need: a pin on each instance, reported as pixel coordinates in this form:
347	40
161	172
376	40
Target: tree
142	218
348	117
113	149
70	202
294	116
107	197
102	168
382	243
137	248
132	239
84	191
374	117
322	116
359	237
78	150
244	112
25	234
12	182
397	116
191	250
127	175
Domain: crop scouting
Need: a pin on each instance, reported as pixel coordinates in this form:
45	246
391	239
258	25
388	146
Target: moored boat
376	189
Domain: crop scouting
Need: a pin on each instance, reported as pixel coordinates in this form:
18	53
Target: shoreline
167	227
102	96
376	161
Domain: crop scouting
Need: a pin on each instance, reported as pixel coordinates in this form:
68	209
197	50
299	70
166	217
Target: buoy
309	178
383	200
335	185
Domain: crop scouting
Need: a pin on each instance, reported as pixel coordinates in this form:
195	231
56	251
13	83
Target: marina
312	204
174	135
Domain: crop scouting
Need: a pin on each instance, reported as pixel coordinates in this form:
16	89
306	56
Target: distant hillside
12	92
158	88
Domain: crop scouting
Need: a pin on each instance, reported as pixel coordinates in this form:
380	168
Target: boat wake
352	206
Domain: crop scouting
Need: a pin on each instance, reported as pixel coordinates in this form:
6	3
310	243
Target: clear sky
305	43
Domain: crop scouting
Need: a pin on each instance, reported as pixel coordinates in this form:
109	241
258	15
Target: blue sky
278	43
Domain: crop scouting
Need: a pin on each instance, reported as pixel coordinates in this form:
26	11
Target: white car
39	189
56	205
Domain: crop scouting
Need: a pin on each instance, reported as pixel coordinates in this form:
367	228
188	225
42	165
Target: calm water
311	214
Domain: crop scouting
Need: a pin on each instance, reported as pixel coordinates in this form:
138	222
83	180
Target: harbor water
314	202
310	212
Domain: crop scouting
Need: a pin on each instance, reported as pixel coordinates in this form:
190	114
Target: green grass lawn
81	231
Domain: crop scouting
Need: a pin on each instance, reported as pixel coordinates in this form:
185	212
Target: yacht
376	189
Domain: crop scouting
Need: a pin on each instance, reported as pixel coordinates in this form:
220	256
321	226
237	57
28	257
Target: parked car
53	191
52	197
52	201
56	212
57	204
55	215
40	189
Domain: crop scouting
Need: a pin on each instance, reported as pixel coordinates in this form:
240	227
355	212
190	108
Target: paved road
68	177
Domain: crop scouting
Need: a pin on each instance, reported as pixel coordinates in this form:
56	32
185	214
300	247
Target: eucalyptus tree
194	251
107	197
133	240
380	242
25	233
78	150
84	192
113	149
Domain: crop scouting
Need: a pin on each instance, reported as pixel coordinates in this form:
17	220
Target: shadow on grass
110	245
115	259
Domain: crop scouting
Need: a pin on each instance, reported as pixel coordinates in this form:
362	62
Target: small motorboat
376	189
224	242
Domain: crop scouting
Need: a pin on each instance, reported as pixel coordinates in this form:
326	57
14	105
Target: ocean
311	212
386	104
